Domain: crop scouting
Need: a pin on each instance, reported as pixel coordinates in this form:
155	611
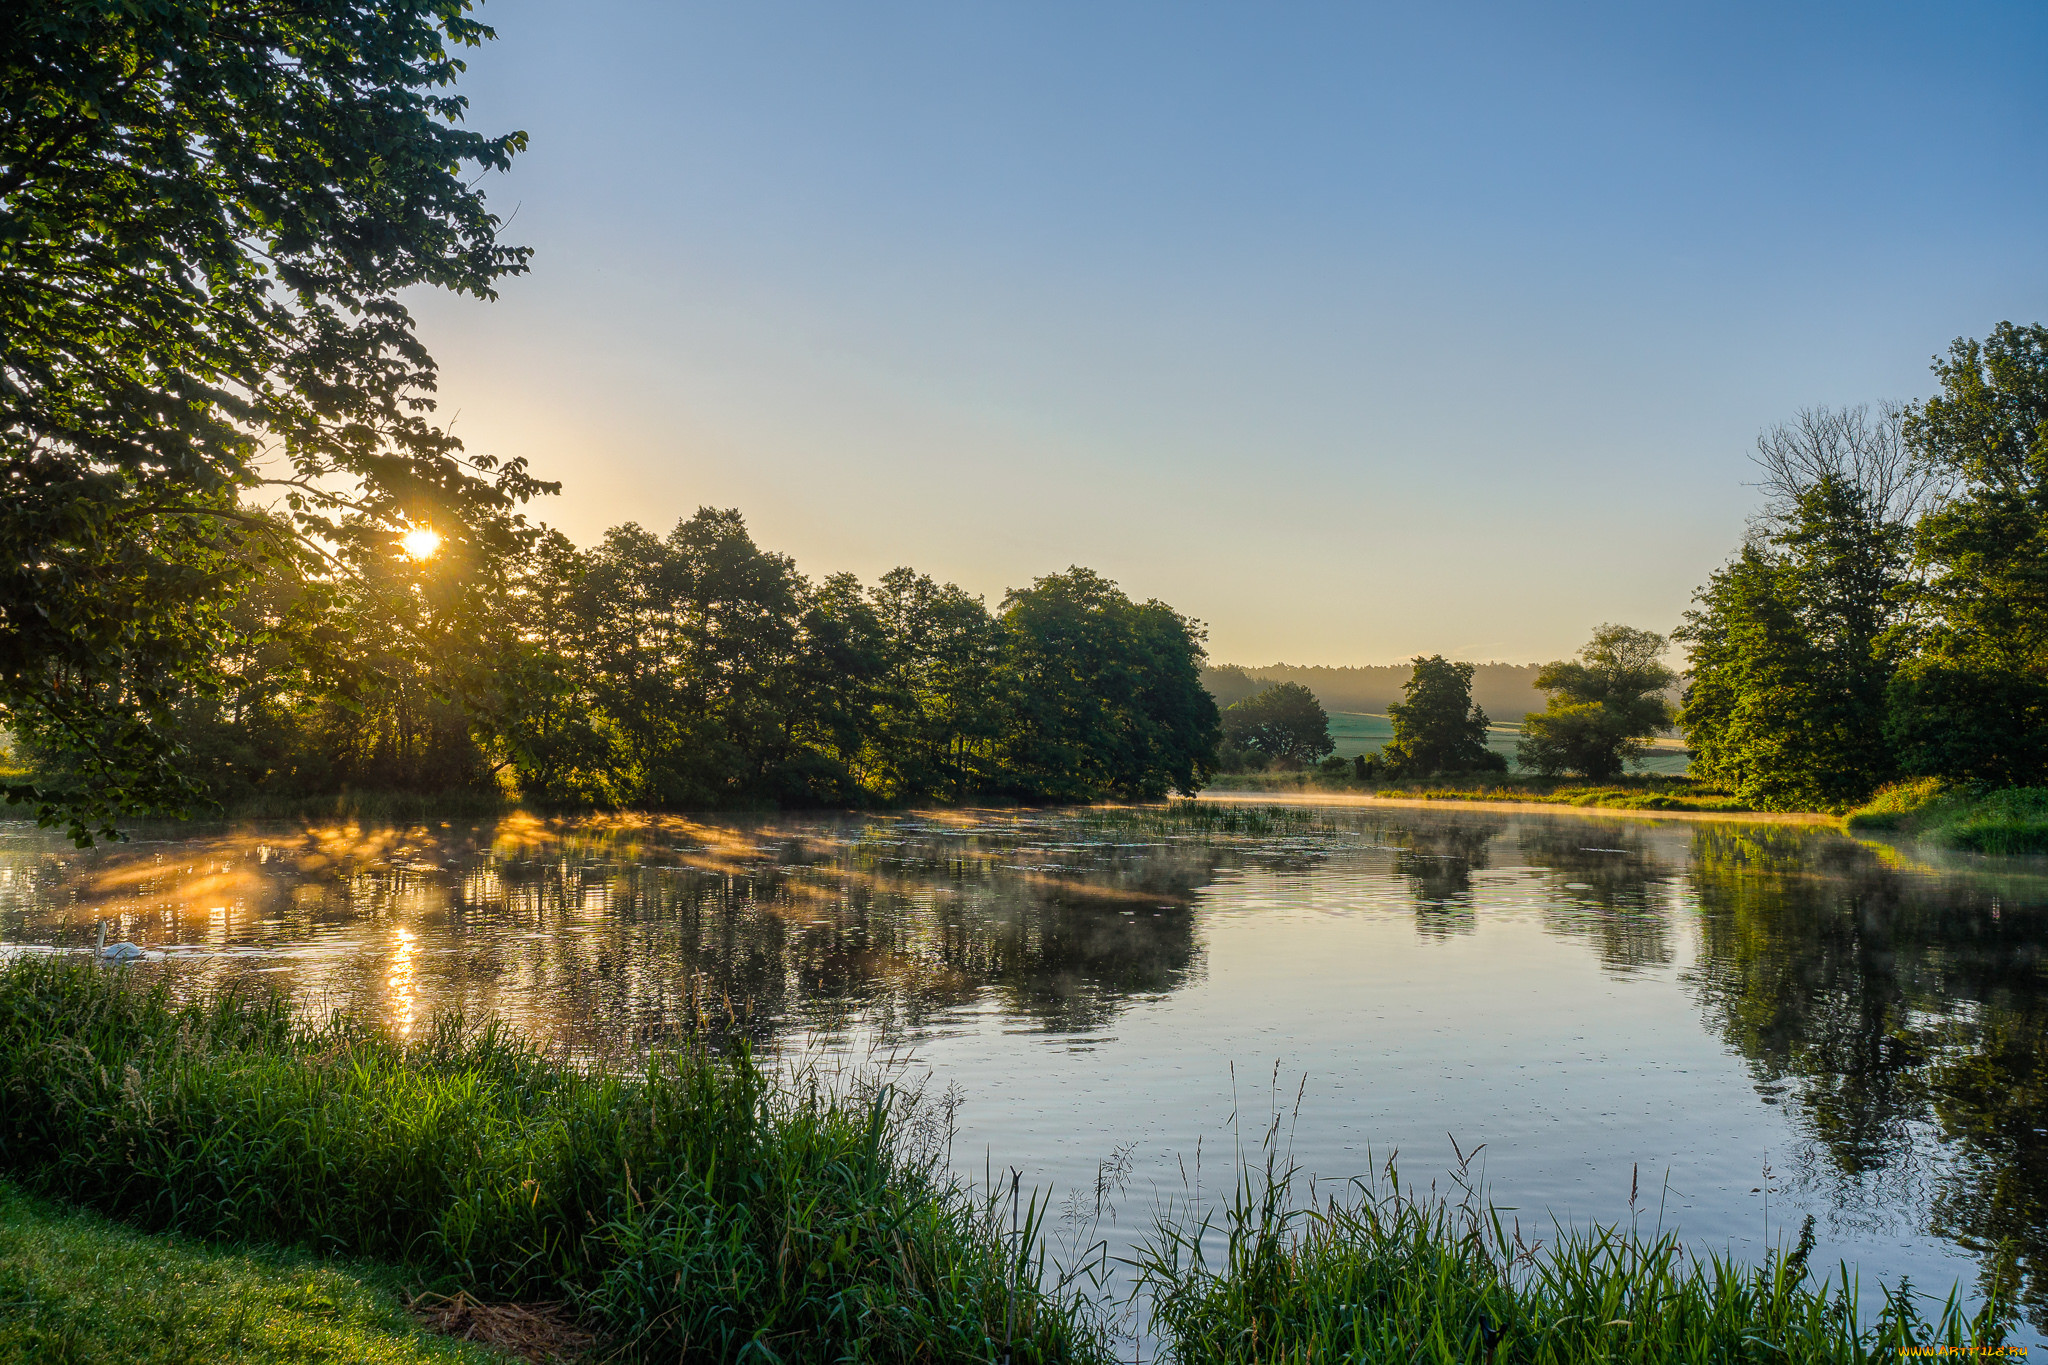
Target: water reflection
1900	1011
1890	1010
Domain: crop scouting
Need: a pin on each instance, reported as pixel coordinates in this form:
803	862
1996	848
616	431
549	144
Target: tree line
692	670
1887	615
1602	709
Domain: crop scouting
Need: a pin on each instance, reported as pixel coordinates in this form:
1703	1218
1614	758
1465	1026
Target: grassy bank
75	1288
695	1205
2011	820
1645	792
698	1208
1387	1277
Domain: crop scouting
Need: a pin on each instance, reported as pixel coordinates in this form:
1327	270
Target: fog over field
1504	691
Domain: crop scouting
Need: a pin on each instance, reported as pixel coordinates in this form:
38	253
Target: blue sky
1356	331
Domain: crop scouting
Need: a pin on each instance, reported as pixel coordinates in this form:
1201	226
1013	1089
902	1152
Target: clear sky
1354	330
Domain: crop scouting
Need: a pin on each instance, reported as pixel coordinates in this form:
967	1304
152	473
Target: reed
1379	1274
695	1206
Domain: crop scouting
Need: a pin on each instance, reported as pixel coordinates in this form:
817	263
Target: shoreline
1309	798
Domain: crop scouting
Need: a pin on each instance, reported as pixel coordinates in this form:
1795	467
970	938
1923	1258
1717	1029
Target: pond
1725	1026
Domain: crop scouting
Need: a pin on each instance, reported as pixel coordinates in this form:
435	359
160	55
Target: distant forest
1504	691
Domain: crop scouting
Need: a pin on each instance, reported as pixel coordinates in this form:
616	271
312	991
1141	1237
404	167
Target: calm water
1761	1022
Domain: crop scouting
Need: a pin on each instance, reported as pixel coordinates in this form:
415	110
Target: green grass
1383	1275
699	1208
696	1204
1647	791
2010	820
78	1290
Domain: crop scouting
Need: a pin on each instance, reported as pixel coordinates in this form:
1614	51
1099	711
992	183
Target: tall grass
1380	1274
2009	820
696	1206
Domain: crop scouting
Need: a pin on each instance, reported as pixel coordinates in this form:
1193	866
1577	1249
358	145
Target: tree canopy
1604	706
696	670
1973	701
209	213
1437	728
1887	616
1285	721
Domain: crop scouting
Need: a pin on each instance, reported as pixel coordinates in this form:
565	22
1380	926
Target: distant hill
1505	691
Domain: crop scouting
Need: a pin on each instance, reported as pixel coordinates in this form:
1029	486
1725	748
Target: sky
1355	331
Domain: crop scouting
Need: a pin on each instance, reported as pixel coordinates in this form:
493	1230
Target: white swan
119	952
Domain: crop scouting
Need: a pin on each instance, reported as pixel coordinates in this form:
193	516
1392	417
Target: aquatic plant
1379	1273
695	1205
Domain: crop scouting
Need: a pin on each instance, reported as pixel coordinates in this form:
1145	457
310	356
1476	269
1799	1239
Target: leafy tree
1438	729
209	213
1231	685
1974	704
1794	643
1283	722
1604	706
1103	696
937	718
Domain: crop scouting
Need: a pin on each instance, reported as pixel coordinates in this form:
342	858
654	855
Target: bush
696	1206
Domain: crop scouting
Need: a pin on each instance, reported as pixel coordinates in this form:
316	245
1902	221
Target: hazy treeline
695	670
1886	616
1505	691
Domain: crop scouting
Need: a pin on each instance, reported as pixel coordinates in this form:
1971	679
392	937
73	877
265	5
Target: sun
420	542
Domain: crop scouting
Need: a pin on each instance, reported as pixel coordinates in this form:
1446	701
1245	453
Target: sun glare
420	542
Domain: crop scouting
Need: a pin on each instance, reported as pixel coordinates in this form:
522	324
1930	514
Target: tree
1101	696
1603	708
1285	722
209	213
1974	703
1437	729
937	713
1793	644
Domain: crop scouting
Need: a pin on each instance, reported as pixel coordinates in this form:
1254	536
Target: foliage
1974	704
698	1205
1893	806
1437	729
208	216
1986	547
2006	820
1100	695
1603	708
76	1288
1285	721
1795	642
1390	1274
693	670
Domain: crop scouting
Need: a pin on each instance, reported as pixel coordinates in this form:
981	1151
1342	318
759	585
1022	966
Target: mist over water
1749	1023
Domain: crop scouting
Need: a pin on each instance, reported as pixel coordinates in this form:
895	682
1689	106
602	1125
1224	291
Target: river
1724	1028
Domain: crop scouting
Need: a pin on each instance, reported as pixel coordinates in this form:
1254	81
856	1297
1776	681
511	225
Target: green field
1361	732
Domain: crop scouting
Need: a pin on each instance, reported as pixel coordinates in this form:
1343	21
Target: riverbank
690	1204
1644	794
1502	804
76	1287
2012	820
695	1205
